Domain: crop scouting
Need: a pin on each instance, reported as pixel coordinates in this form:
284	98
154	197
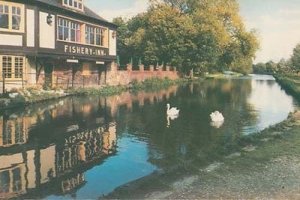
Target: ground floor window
12	67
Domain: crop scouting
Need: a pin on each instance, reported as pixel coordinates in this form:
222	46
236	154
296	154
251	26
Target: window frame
71	4
11	15
70	25
13	69
83	25
98	32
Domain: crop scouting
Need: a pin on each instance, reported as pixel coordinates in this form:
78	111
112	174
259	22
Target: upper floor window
77	4
11	17
68	30
94	35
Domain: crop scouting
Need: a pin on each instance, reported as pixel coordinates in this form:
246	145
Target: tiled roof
87	12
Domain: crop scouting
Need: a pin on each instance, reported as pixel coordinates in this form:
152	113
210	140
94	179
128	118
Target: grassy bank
36	94
154	84
223	75
291	83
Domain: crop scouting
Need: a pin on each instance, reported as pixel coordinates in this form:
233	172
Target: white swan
216	117
172	111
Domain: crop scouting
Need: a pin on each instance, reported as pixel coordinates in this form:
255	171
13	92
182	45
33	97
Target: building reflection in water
13	131
32	161
21	173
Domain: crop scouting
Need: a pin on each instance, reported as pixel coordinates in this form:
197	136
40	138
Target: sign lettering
88	51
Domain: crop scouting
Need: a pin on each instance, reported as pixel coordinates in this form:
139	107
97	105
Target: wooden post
3	86
72	77
22	80
83	77
36	70
99	75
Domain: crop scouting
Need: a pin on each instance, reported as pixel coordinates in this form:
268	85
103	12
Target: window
77	4
7	66
4	14
68	30
12	67
19	67
94	36
89	35
17	180
75	32
100	36
11	17
4	182
78	32
16	18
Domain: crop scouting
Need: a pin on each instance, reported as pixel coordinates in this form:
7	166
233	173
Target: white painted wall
112	44
31	176
8	161
30	27
47	163
11	40
31	71
47	32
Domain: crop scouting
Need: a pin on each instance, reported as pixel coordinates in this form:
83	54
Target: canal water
91	147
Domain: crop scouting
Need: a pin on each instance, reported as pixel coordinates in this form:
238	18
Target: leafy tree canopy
204	35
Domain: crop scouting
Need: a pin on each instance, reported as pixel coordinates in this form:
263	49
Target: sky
276	21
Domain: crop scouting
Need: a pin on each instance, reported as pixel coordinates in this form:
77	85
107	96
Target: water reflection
46	149
39	166
13	131
171	118
217	124
86	147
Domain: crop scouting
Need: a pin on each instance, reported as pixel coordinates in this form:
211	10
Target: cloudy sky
277	21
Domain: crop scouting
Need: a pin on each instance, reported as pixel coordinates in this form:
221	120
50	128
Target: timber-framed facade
54	42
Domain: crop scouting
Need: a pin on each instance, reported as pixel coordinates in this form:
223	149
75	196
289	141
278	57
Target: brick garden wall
66	76
117	77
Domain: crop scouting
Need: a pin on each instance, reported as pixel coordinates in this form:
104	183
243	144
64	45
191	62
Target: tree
122	38
271	67
204	35
284	66
296	57
259	68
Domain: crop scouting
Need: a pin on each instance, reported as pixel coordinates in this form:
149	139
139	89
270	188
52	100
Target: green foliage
189	34
291	83
282	67
260	68
105	91
296	57
153	84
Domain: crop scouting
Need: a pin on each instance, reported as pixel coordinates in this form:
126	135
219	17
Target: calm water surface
87	147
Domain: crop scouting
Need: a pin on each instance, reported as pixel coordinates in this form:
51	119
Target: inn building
54	42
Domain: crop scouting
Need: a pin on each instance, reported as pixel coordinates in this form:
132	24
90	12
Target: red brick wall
62	75
116	77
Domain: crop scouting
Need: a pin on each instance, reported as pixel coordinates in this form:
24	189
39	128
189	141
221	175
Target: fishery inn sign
82	50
